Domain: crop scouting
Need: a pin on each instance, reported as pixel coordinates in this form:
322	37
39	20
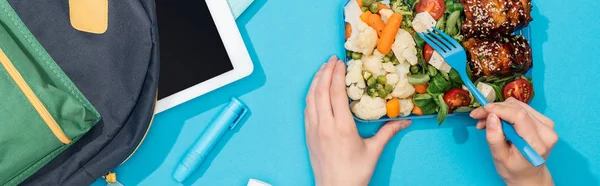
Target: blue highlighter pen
226	120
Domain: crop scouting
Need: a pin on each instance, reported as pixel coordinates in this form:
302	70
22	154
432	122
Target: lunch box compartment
525	32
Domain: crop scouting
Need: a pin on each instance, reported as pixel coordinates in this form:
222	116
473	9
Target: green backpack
41	111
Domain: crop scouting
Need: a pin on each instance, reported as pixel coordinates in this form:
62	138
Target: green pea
356	56
375	94
414	69
382	93
373	8
390	55
364	9
367	74
348	53
367	2
372	82
381	79
379	86
389	88
386	59
372	90
395	61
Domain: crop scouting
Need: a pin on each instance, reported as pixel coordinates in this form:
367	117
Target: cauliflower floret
389	67
354	74
406	106
363	38
386	14
403	69
403	89
368	108
404	47
373	64
354	92
354	80
392	79
410	54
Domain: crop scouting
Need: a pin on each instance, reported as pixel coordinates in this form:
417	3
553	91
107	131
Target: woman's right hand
535	128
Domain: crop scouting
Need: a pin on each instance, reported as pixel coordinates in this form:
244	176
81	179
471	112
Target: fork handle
509	131
527	151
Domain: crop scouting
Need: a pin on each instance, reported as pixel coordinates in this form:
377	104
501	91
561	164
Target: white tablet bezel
236	50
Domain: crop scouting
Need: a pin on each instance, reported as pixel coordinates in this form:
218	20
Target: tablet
201	49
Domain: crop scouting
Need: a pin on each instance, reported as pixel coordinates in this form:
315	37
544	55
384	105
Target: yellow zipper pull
111	179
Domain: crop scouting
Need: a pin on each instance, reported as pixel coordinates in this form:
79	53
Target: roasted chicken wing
498	57
495	18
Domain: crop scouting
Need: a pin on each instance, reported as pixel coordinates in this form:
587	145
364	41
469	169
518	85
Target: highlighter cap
181	173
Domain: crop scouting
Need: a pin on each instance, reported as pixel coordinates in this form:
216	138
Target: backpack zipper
33	99
144	137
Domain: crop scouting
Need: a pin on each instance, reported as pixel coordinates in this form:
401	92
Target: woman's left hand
338	155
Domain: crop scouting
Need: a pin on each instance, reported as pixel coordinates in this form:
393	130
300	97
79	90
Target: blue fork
455	56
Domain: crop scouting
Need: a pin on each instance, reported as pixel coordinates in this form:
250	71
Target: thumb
386	133
496	139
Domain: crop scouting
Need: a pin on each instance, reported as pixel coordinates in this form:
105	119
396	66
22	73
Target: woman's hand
338	155
535	128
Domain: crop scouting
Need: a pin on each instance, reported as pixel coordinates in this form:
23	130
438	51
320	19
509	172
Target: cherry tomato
520	89
427	52
435	8
457	97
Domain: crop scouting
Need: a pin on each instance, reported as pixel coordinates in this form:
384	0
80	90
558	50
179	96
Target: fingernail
333	57
472	114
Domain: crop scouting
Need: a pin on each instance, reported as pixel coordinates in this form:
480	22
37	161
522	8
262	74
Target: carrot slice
348	30
421	88
377	24
393	108
365	16
417	111
359	3
384	45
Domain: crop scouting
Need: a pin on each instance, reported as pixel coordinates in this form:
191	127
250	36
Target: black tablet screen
191	50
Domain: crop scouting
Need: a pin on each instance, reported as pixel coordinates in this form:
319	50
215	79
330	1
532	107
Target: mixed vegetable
394	73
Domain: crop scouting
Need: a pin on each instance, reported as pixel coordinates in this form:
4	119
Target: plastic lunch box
525	32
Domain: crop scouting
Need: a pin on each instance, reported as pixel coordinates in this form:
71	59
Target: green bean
381	79
373	8
372	82
367	2
356	56
386	59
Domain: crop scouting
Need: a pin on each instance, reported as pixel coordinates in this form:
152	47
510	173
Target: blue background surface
288	40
